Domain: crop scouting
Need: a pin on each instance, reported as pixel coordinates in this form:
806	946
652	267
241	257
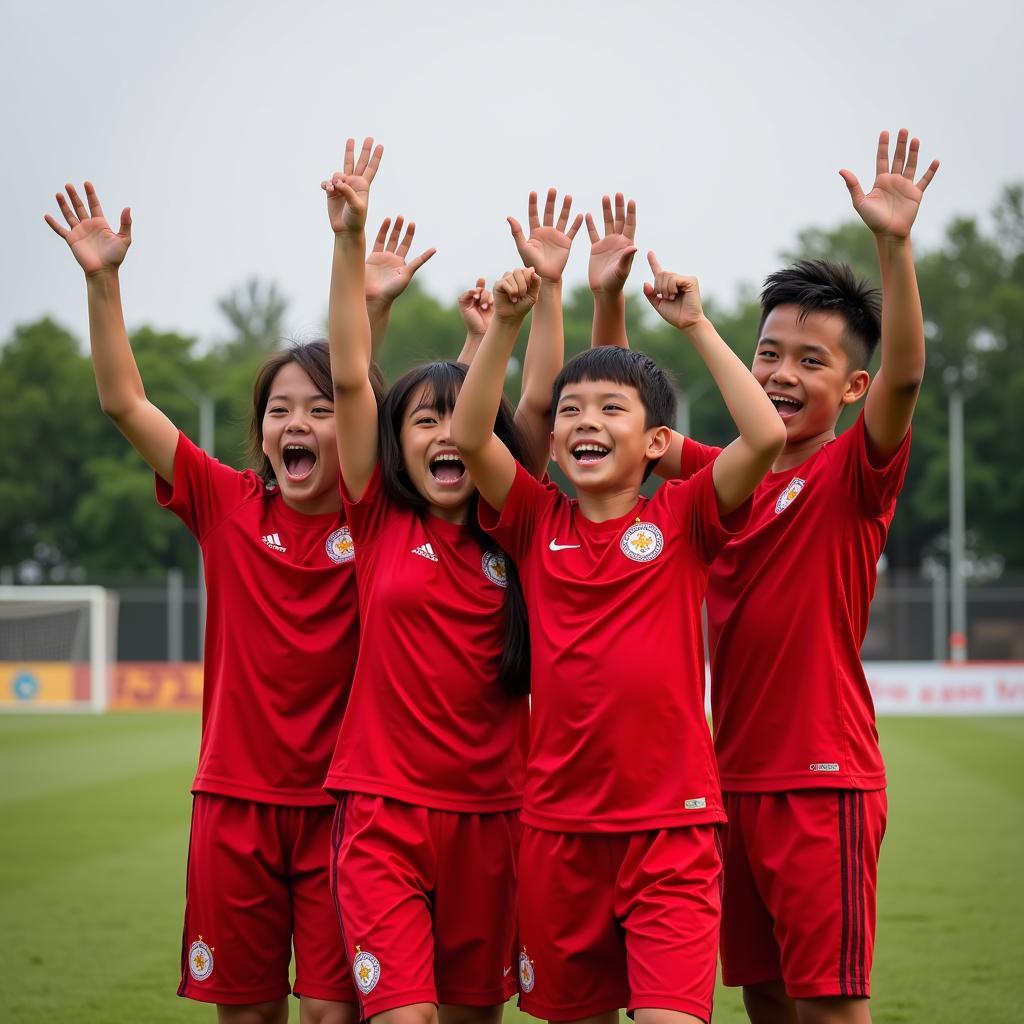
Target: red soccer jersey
619	741
428	722
788	605
282	631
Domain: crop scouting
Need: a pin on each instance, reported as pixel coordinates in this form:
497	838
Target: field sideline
92	855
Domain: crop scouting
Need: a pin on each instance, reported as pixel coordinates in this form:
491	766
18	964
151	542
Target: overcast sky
727	122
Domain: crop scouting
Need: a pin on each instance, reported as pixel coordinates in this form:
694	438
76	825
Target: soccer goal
58	646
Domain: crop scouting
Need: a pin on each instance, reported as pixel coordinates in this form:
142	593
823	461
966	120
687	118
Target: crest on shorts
788	496
340	547
527	978
642	542
366	971
495	568
200	960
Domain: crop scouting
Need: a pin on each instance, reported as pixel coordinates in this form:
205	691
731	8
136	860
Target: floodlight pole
957	517
206	442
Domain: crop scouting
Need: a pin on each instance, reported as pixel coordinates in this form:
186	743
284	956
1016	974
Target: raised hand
96	247
547	248
676	298
387	272
612	256
515	294
348	192
891	206
476	305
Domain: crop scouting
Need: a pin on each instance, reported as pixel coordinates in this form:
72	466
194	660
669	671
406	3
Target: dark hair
314	357
821	286
443	381
624	366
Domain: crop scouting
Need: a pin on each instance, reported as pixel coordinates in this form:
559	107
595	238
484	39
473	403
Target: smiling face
804	366
432	463
600	440
299	440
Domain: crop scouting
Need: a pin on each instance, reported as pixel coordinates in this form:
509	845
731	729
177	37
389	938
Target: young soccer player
788	605
281	641
619	868
429	763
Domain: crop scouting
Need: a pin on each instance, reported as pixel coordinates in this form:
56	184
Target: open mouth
786	406
588	452
299	461
447	469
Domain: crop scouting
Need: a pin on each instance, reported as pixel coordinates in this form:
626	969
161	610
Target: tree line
76	503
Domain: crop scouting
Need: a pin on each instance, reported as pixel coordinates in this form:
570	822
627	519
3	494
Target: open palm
387	272
611	257
890	208
547	248
93	243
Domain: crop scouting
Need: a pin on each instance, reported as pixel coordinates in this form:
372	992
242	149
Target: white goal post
58	646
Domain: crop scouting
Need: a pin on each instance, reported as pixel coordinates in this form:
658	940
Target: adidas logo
426	551
272	540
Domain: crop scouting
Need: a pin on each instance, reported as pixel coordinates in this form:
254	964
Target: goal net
57	648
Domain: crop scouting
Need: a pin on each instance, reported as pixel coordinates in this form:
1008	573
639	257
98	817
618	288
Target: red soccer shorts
427	902
623	919
259	879
801	872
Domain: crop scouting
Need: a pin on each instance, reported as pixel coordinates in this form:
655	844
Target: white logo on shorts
366	971
697	803
527	978
825	766
200	960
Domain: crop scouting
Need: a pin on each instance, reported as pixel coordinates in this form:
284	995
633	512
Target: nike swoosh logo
555	546
507	971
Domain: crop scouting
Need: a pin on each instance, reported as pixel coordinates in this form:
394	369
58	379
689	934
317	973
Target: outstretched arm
547	252
889	210
476	307
99	252
348	325
388	274
611	258
741	466
489	462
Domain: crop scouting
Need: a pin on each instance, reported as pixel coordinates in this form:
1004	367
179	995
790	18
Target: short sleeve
874	486
514	526
695	456
204	491
694	506
366	517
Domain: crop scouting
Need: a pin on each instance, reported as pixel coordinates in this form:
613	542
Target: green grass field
92	856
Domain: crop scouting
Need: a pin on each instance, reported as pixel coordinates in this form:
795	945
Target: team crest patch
495	568
527	978
200	960
366	971
642	542
340	547
788	496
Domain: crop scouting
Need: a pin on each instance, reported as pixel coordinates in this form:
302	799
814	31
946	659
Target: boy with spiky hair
619	868
788	602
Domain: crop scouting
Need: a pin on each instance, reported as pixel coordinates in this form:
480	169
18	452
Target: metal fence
909	620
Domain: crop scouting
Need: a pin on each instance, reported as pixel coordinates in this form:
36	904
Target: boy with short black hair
619	866
788	603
